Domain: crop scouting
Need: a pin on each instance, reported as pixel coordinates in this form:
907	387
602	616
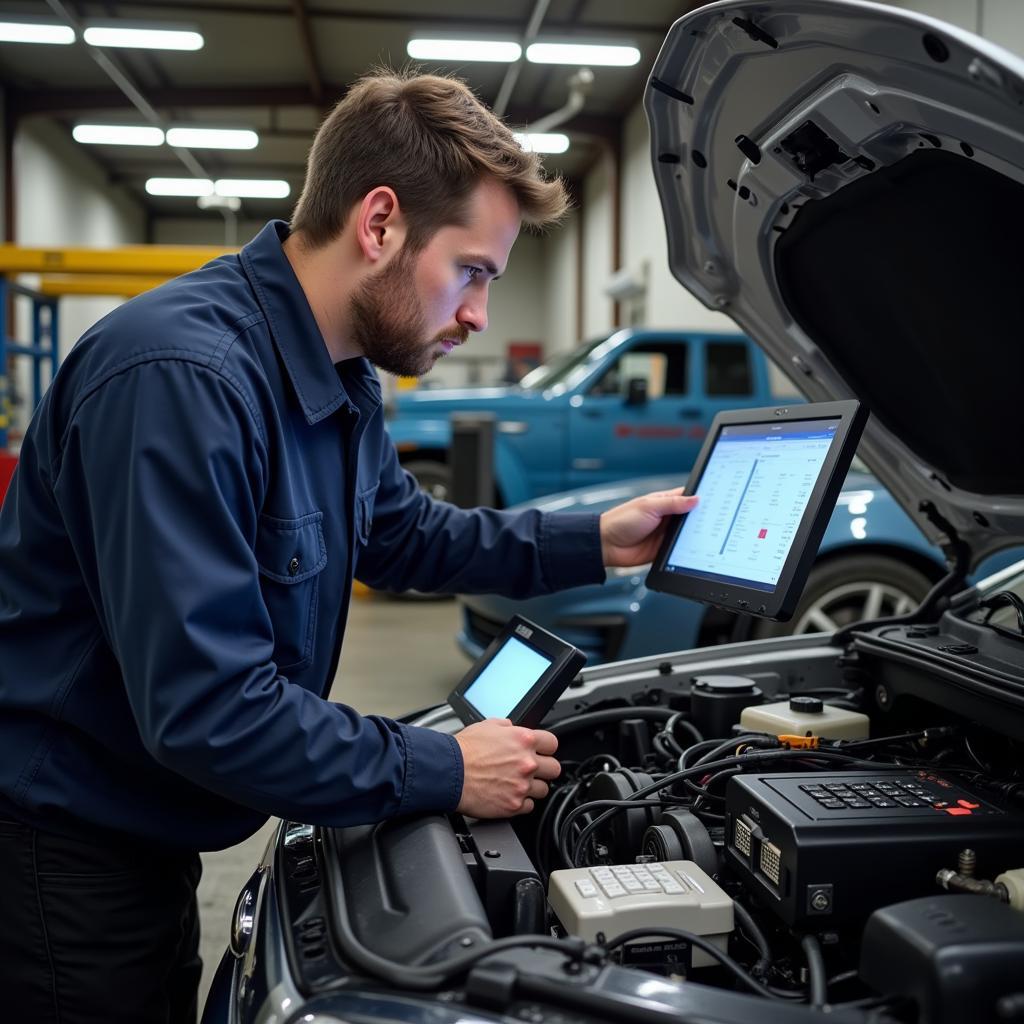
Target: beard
388	324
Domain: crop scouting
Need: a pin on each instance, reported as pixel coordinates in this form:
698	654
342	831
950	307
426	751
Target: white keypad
629	879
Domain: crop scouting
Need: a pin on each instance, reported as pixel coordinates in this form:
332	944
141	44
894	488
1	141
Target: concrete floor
398	656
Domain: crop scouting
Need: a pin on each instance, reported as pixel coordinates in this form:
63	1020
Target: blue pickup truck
635	402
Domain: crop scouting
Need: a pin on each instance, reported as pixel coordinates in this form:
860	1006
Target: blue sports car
872	561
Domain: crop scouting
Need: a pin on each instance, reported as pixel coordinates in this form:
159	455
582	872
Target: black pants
96	933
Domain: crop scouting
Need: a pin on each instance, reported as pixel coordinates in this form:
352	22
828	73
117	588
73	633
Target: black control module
824	848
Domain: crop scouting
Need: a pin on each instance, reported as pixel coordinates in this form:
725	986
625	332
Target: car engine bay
803	830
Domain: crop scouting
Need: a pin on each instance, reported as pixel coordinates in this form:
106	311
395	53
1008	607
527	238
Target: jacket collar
317	383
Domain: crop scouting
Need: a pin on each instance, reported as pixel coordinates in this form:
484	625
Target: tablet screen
753	493
507	679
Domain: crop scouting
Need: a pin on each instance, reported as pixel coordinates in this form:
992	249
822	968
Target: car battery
820	849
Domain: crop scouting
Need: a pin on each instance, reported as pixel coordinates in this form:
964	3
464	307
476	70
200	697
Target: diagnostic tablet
767	480
522	673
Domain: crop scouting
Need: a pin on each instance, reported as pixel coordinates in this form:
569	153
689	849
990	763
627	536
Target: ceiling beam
131	93
413	14
140	170
316	85
68	102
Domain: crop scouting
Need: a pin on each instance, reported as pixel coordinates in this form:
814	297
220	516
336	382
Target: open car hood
844	179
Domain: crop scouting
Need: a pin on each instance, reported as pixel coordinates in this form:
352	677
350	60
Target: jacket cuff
433	771
570	549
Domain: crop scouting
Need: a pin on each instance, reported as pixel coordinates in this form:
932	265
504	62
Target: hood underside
844	180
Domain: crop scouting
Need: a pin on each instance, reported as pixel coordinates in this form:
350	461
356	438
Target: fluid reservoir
805	716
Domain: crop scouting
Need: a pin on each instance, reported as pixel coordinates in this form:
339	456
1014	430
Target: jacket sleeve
422	544
160	479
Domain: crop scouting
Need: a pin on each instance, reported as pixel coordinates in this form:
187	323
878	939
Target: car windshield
559	367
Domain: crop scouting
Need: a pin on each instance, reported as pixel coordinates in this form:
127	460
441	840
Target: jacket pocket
364	513
291	554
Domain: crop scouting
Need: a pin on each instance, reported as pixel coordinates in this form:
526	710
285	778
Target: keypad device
611	899
883	793
631	879
894	794
828	847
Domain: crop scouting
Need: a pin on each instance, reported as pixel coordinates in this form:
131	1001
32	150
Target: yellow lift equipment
123	271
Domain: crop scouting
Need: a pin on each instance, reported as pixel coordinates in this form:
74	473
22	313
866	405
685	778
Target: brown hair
432	141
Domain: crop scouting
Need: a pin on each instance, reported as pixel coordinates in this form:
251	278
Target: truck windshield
559	367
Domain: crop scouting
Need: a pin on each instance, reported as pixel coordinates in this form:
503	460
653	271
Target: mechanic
199	487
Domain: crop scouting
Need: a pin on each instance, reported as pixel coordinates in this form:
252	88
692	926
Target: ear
380	226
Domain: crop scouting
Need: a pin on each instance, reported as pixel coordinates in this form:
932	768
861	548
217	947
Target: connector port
741	836
771	862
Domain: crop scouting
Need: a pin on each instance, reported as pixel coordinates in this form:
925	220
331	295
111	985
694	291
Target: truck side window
661	364
727	368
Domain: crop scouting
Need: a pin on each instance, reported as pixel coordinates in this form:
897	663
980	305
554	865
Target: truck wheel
433	477
850	589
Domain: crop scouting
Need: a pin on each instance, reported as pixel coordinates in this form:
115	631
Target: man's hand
632	533
505	768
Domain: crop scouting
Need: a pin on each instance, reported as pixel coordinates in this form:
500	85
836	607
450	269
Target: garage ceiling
277	66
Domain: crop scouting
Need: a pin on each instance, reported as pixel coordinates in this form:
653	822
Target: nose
472	313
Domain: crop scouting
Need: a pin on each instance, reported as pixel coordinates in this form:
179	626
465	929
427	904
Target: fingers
506	768
671	503
547	768
544	742
538	790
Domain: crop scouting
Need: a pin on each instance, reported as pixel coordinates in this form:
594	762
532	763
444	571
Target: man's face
418	307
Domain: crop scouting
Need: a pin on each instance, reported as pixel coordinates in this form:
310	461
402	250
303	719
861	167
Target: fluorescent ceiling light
179	186
143	38
35	32
543	142
252	188
212	138
464	49
578	53
118	134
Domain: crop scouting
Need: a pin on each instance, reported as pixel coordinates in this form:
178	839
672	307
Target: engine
789	848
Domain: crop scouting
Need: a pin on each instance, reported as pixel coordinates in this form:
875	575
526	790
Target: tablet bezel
566	661
780	603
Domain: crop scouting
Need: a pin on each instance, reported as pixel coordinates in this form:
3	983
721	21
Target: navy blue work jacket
194	496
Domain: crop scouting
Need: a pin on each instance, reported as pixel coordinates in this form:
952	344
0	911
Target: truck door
639	417
730	376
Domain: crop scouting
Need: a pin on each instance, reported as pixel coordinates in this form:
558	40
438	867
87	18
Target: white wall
62	198
1001	21
597	249
644	251
559	261
644	243
3	162
201	229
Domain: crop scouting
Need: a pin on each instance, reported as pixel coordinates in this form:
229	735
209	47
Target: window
661	364
727	369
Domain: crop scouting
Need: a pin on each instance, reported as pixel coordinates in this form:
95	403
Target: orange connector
801	742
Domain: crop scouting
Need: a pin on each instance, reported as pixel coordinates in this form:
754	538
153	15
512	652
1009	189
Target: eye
473	272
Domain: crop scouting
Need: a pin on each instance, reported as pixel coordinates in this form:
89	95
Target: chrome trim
297	835
243	918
